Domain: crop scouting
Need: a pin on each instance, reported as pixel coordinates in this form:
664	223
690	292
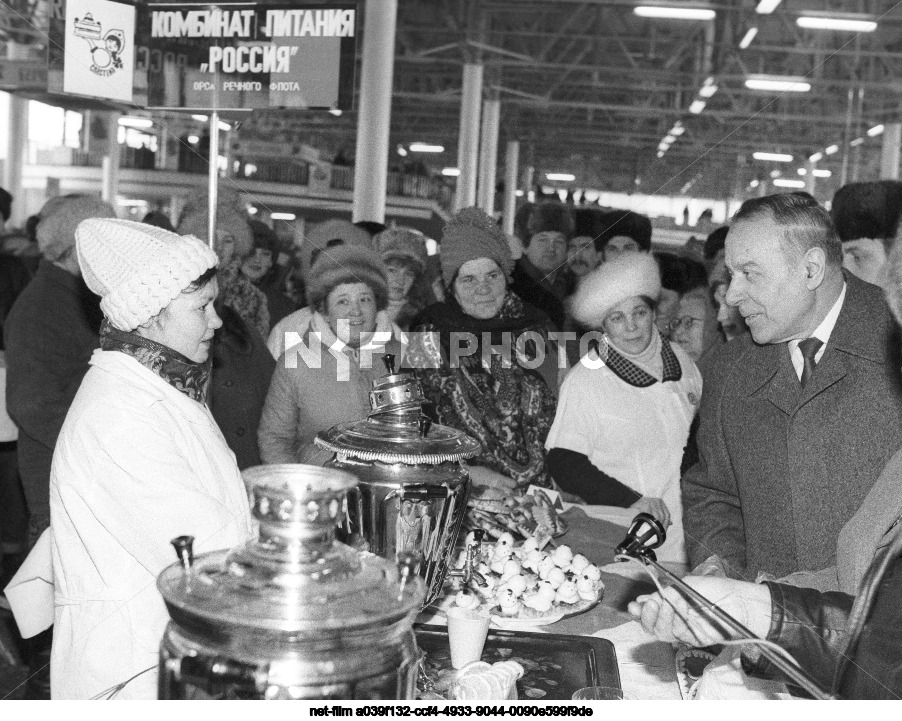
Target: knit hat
403	243
629	224
866	210
471	234
533	219
627	276
347	264
60	217
137	269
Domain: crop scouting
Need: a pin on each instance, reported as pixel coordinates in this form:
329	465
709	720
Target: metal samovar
413	488
294	613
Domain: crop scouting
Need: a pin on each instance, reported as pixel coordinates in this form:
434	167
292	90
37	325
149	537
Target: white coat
636	435
137	463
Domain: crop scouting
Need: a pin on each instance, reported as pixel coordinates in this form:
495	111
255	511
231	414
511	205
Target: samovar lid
396	429
294	578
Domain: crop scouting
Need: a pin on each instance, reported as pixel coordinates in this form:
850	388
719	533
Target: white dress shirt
822	333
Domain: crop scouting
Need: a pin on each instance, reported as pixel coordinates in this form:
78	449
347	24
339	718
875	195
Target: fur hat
329	234
60	217
629	224
404	243
6	204
137	269
535	218
627	276
587	222
471	234
716	241
231	219
347	264
867	210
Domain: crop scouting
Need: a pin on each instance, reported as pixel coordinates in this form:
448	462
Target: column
488	155
468	138
511	171
809	176
889	159
374	115
16	149
109	177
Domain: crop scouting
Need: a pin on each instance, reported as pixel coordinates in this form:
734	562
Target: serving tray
556	665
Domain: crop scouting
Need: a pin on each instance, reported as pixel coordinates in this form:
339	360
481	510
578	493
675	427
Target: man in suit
799	418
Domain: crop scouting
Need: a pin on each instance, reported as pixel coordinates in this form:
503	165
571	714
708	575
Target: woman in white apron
139	461
625	409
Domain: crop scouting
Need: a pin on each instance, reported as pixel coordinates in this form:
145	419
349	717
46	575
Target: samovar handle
407	567
184	549
389	360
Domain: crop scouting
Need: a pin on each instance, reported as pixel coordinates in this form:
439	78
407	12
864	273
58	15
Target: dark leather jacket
851	645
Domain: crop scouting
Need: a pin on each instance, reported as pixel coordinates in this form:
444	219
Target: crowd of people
748	397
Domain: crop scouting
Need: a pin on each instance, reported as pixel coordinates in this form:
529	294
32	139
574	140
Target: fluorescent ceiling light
776	157
855	143
283	216
755	183
677	130
669	139
336	112
136	122
831	149
814	158
707	91
697	106
777	84
802	171
748	37
565	177
766	7
821	173
789	183
451	172
674	13
193	139
775	173
402	151
875	131
851	24
519	193
426	148
224	125
660	153
200	118
252	210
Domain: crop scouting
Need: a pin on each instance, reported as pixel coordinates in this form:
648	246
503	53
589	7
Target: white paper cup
467	630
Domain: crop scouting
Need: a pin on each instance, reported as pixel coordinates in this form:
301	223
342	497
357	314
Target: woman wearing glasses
625	410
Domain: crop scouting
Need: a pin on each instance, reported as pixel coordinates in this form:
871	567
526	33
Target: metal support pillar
374	116
488	153
511	173
109	177
468	139
892	145
16	149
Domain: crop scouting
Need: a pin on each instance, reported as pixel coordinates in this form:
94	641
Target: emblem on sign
106	48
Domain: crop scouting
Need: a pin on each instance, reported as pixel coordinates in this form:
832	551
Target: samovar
412	494
293	613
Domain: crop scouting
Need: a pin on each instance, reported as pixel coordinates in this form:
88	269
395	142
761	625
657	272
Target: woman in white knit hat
625	409
139	461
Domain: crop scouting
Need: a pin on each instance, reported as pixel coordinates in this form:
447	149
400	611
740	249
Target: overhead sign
94	48
202	56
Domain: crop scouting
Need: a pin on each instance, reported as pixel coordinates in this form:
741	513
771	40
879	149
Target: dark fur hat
587	221
627	223
535	218
866	210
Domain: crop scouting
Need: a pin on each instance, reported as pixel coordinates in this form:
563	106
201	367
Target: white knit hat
612	282
137	269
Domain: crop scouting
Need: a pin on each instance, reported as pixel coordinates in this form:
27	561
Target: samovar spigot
407	567
184	549
467	571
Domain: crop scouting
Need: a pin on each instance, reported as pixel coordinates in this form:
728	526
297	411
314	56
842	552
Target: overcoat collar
769	368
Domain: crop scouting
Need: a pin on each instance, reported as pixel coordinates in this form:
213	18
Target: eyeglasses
686	321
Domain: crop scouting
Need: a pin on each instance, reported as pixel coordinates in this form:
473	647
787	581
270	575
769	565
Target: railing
406	185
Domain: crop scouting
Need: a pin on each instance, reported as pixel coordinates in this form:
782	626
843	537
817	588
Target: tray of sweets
555	665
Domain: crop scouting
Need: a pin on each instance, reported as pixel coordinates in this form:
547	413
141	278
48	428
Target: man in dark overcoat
799	418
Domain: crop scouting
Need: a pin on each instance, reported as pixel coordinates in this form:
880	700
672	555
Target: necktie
809	348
